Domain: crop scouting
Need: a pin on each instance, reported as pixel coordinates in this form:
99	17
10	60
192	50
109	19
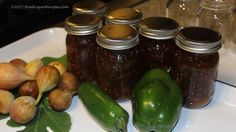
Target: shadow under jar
81	45
157	41
117	60
195	65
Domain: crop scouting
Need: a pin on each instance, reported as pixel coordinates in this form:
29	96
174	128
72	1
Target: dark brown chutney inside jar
157	41
81	45
195	65
117	60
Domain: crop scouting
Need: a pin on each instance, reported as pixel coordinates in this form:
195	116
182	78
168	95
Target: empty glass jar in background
233	31
183	11
151	8
127	16
95	7
217	15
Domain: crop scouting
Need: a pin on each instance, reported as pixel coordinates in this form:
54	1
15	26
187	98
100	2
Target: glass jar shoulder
196	60
82	40
156	44
117	55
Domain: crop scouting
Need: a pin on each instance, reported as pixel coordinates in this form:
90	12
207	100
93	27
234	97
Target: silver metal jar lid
198	40
159	28
128	16
117	37
89	7
83	24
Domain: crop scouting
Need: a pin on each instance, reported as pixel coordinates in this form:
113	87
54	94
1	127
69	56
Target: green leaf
3	116
46	117
63	59
11	123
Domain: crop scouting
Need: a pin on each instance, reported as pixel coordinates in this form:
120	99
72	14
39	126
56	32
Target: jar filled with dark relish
95	7
81	45
157	41
117	60
127	16
195	65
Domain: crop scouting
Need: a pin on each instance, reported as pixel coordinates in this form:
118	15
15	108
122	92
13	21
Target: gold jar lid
83	24
117	37
128	16
89	7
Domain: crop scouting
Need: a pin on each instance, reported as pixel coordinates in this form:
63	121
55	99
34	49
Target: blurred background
19	18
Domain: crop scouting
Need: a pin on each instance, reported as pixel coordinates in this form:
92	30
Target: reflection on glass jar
195	65
217	15
117	60
81	45
183	11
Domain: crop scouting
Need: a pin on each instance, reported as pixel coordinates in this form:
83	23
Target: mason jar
127	16
81	45
117	60
95	7
217	15
157	41
233	33
195	65
183	11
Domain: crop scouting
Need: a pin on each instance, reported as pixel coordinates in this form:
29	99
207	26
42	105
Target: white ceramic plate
218	116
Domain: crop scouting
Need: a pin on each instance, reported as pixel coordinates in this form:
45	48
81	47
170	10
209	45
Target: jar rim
128	16
83	24
159	28
198	40
89	7
117	37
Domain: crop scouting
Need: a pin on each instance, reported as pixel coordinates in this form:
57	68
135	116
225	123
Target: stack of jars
116	55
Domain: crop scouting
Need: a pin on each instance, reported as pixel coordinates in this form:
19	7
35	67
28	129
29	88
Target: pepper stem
74	92
121	125
28	77
38	99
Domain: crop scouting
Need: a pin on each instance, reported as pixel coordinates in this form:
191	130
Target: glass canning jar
95	7
157	41
81	45
128	16
195	65
233	32
117	60
183	11
217	15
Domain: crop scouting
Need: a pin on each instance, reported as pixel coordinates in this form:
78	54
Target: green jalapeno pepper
106	111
